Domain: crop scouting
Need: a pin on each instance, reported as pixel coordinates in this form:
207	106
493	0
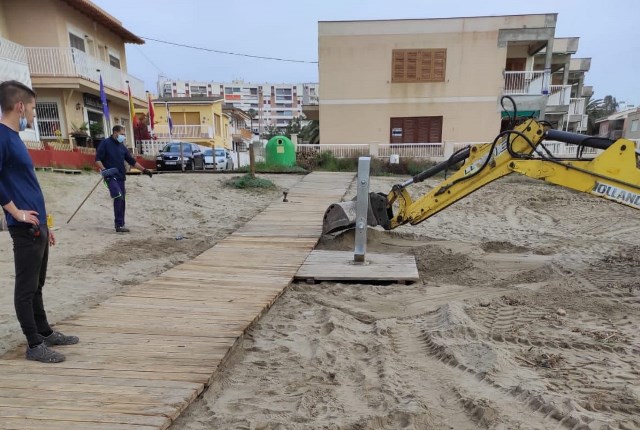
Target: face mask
121	138
22	124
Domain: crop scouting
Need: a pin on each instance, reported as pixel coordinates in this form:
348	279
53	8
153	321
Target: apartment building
274	104
437	80
62	58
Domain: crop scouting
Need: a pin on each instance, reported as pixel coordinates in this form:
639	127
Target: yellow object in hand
49	221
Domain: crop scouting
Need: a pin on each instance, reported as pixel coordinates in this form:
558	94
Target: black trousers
31	255
119	205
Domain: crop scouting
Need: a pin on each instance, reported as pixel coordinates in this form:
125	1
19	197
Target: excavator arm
614	174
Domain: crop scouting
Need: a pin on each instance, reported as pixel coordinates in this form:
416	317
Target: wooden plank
339	266
39	424
49	415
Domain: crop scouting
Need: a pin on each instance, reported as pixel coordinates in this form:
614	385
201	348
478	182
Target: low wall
73	159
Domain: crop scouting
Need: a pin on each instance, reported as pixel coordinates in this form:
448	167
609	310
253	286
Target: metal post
362	209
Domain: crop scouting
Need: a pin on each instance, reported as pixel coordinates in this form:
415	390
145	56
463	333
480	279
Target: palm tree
311	132
598	109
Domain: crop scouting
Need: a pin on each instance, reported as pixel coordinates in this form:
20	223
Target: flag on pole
103	99
152	113
132	110
169	120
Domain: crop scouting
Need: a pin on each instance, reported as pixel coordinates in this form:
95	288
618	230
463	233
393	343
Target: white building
275	104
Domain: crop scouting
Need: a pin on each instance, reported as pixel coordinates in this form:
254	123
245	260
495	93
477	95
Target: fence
431	151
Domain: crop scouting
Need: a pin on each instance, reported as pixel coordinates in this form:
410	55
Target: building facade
437	80
275	105
62	58
199	120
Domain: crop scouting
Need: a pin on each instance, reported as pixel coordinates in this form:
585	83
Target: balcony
73	63
13	62
523	83
559	95
184	131
242	134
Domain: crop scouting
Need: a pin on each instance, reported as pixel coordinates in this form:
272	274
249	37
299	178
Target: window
114	61
218	124
253	91
228	90
418	65
634	125
48	119
198	91
420	129
283	91
76	42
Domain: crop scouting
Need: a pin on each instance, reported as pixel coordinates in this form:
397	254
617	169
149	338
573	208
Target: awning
522	113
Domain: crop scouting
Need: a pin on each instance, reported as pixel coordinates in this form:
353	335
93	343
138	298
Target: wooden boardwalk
146	354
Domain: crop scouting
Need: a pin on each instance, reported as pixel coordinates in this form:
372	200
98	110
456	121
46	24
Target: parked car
169	157
223	160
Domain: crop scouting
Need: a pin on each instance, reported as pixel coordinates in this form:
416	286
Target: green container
280	151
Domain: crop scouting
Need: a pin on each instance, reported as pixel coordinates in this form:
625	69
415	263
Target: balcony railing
184	131
524	83
577	106
73	63
559	95
12	51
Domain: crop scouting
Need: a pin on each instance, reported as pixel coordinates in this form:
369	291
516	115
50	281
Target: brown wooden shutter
396	123
411	66
435	130
422	129
398	66
439	62
418	65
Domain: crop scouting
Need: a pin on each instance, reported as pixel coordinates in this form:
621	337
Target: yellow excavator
614	174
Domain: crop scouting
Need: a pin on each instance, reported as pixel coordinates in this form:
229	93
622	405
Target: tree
294	127
598	109
311	132
270	132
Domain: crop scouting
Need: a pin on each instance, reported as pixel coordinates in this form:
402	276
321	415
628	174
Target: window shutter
439	64
398	66
411	66
418	65
421	129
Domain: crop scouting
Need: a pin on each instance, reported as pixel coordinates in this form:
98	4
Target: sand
527	315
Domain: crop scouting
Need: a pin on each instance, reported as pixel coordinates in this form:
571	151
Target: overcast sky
609	33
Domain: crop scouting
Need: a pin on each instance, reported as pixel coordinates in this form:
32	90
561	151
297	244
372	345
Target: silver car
223	160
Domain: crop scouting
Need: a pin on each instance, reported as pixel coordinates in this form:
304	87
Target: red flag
152	113
132	110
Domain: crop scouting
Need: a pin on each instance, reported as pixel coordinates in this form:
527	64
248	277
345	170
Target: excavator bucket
339	216
342	216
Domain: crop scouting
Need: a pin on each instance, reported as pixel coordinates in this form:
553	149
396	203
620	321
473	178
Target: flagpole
105	105
133	132
170	123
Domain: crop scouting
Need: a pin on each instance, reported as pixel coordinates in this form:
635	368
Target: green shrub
263	167
250	182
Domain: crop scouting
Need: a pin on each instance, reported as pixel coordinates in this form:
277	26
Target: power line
148	59
227	52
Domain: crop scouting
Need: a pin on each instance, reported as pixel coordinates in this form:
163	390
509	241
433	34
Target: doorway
96	126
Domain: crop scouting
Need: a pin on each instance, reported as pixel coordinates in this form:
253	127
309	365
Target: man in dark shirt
23	204
112	153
